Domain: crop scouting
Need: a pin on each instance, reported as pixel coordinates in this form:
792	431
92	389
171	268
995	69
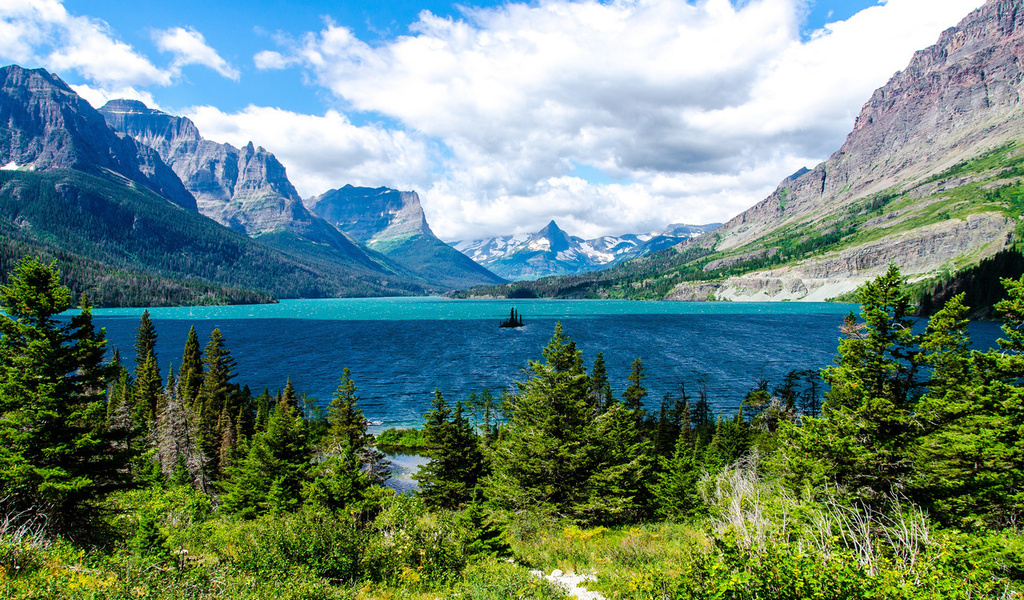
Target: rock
956	99
45	125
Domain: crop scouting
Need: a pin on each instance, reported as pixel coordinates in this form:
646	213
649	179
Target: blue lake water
400	349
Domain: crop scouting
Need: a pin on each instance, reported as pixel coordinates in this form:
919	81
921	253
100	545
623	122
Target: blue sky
610	117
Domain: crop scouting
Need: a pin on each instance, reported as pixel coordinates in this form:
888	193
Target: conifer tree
346	423
456	464
636	392
730	442
190	375
541	459
57	458
217	395
270	477
864	440
676	487
600	387
617	489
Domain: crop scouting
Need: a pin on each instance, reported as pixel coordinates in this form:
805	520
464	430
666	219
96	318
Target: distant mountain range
931	179
552	251
139	209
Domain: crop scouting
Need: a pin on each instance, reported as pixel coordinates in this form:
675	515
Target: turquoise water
401	349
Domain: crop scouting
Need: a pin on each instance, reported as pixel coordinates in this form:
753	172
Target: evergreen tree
146	392
190	375
57	457
541	460
346	423
864	439
730	442
270	477
616	490
676	486
636	392
600	387
217	395
456	464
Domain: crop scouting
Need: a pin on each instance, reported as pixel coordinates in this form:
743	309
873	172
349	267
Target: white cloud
42	31
707	99
323	152
97	97
190	48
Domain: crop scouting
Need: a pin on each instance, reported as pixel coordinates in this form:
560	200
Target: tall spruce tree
864	440
57	457
346	423
271	475
456	464
541	459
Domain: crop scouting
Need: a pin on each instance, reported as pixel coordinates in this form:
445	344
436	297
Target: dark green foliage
269	478
979	285
865	435
347	425
557	455
456	464
130	247
634	395
57	457
600	387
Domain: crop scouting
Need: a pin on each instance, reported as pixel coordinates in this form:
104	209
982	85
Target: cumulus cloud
43	32
97	97
709	98
190	48
323	152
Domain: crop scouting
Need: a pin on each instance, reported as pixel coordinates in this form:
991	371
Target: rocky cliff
45	125
246	188
907	186
392	222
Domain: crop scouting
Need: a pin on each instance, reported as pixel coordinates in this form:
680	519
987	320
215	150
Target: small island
514	320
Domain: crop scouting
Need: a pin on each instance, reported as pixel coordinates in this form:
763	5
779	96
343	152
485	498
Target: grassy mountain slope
130	229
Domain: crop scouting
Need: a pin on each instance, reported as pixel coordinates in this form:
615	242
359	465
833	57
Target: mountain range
139	208
930	179
551	251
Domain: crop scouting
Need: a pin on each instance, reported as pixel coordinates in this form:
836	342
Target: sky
610	117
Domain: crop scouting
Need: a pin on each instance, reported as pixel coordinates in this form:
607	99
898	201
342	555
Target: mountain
930	178
73	190
47	126
246	189
551	251
392	223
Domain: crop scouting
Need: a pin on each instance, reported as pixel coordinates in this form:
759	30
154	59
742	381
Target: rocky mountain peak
45	125
372	214
556	239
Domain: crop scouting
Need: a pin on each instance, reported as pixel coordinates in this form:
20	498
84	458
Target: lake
400	349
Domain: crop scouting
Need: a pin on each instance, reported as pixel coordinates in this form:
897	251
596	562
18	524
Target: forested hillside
896	472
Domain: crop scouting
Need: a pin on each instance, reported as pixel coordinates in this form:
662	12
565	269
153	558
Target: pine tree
541	459
636	392
676	487
346	423
217	395
270	477
57	458
865	436
190	375
600	387
456	464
